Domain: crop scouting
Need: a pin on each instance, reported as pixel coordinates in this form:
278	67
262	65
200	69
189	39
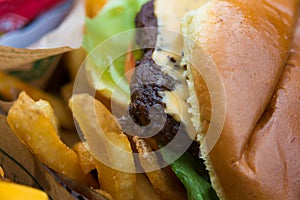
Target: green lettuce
187	170
108	59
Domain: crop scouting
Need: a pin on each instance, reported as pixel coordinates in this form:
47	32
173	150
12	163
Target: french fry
72	140
105	194
15	191
88	163
119	184
2	178
10	88
66	91
144	189
86	160
92	7
34	124
1	173
163	181
105	138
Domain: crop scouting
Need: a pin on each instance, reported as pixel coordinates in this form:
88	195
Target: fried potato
106	142
1	173
105	194
10	88
15	191
66	91
34	123
119	184
144	189
86	160
92	7
163	181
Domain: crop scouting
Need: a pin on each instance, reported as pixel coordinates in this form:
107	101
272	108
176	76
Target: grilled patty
147	83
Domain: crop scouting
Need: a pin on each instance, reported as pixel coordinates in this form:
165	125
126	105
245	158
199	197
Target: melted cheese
169	14
168	52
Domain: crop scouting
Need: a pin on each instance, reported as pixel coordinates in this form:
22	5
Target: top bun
257	154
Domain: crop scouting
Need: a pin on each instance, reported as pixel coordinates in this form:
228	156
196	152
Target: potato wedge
164	182
34	124
108	145
10	88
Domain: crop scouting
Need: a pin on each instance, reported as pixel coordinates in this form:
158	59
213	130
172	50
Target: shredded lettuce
115	17
185	168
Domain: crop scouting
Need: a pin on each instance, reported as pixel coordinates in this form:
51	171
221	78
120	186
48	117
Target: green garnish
185	168
108	61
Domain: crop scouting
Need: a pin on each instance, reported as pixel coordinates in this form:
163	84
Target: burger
256	154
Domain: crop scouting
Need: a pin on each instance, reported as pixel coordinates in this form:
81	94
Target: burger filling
159	95
158	88
158	92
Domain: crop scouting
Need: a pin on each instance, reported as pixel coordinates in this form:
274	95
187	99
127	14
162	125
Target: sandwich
246	44
205	94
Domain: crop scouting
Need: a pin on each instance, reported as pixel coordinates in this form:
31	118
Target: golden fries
10	88
34	123
163	181
119	184
105	138
88	163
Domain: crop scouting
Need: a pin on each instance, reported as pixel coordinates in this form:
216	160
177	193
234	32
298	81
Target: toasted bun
257	154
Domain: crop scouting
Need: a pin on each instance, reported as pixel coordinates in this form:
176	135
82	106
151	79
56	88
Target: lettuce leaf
185	168
115	17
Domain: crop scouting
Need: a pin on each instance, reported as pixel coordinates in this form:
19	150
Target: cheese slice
168	54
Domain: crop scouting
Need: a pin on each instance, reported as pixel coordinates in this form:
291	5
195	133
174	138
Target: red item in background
15	14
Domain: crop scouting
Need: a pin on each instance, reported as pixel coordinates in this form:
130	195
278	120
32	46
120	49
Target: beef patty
147	82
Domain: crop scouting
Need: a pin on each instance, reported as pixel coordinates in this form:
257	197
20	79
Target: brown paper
12	58
22	167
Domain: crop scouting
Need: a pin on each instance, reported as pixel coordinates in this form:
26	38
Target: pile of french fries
44	122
